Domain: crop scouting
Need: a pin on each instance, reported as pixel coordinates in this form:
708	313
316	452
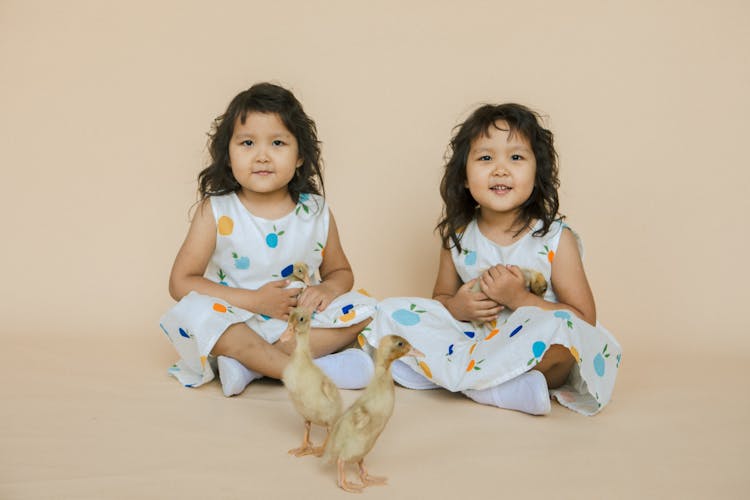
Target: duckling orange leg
343	484
319	450
367	479
306	447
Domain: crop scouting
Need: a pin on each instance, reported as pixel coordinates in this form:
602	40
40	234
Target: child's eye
278	143
516	157
248	142
485	158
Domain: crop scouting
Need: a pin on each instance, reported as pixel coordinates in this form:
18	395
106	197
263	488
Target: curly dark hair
217	179
460	207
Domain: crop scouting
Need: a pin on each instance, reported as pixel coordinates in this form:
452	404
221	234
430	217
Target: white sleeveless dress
460	356
250	252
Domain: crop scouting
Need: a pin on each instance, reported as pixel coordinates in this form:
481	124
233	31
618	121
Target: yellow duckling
355	433
532	279
300	272
314	395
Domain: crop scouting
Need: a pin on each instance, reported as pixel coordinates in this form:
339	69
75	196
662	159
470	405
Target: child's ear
300	161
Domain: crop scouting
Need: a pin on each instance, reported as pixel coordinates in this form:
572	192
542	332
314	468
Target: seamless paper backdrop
106	105
104	110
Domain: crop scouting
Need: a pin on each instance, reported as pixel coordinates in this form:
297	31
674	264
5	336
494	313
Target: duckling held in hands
300	272
355	433
314	395
532	279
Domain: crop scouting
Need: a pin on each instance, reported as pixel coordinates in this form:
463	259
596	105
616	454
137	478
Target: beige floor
111	424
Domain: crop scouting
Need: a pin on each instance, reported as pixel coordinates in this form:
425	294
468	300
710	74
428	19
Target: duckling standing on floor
314	395
355	433
532	279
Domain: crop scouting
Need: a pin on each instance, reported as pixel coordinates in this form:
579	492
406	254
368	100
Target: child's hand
275	300
467	305
317	297
504	284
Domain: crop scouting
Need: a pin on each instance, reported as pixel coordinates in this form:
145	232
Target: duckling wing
361	418
331	392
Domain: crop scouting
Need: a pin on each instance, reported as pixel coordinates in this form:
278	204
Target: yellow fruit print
361	340
471	349
549	253
225	225
348	313
575	354
320	248
203	362
492	334
364	292
425	369
348	316
474	365
221	308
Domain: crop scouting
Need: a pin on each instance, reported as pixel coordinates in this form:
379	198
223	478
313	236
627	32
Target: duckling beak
287	335
415	352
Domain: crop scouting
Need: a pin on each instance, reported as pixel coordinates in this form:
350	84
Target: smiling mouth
262	172
500	188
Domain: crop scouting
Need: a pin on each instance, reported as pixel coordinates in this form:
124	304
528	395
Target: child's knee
236	341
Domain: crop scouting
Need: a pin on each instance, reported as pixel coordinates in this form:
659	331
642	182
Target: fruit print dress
460	356
250	252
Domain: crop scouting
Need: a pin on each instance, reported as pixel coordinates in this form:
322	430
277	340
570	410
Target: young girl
261	211
503	345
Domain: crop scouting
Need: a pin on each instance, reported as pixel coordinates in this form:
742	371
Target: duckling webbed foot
307	447
367	479
343	483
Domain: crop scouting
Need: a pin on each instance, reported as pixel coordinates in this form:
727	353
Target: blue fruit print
184	333
470	334
537	349
287	270
450	350
265	317
272	238
515	330
240	262
222	276
470	257
303	197
407	318
599	365
566	316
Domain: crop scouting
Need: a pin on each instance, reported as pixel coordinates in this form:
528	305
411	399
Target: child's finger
514	270
279	283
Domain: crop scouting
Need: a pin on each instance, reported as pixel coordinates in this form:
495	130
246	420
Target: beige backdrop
104	109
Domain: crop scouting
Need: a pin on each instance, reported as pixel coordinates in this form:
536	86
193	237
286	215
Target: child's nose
262	154
500	169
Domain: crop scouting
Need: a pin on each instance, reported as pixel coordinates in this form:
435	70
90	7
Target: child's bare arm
569	279
192	259
336	274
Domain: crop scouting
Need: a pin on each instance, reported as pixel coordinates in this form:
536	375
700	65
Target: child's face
500	170
263	153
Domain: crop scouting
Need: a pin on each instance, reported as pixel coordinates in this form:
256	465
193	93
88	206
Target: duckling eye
400	344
